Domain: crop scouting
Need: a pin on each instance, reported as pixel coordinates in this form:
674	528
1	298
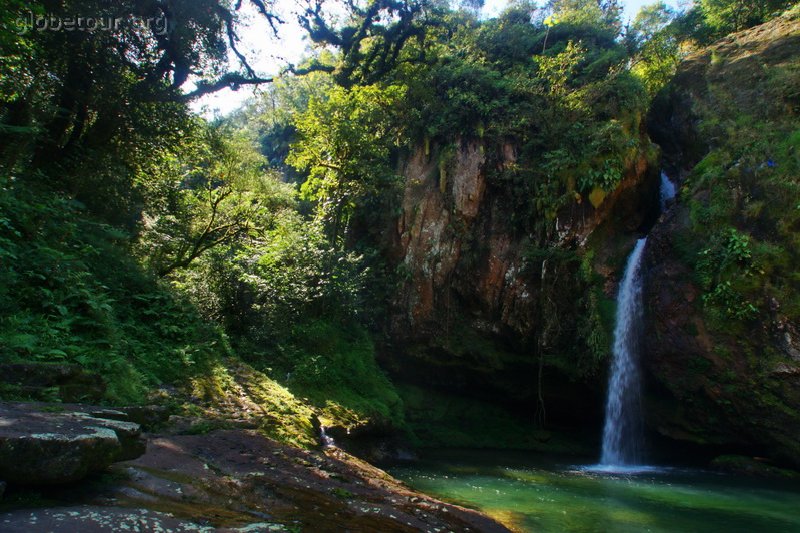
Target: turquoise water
530	494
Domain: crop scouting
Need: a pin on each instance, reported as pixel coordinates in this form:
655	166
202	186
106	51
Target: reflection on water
548	495
623	470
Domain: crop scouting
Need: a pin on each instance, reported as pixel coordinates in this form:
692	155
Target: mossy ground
333	366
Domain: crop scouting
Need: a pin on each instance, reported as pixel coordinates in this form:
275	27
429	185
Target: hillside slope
723	346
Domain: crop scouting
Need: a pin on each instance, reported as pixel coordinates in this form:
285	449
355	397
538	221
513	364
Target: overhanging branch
234	81
228	81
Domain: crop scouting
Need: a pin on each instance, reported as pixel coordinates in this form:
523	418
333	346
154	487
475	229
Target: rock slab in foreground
89	519
239	479
43	445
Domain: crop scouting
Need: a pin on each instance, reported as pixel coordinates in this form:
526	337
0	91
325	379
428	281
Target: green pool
531	493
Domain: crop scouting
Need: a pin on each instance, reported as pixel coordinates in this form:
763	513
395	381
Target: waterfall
622	434
325	439
623	430
666	191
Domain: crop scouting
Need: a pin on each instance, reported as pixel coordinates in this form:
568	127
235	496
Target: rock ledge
41	445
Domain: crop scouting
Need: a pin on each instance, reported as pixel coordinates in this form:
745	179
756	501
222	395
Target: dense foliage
749	217
71	293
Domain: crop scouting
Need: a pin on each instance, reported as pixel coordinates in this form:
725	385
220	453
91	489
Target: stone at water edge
40	448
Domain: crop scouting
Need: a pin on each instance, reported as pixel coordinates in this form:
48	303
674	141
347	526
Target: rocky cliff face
481	300
723	349
514	318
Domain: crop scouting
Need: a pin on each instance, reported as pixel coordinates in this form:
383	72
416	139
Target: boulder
46	445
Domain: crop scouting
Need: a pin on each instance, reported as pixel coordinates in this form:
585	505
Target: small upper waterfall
623	430
622	434
666	191
325	439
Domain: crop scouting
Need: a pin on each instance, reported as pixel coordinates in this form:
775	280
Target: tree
650	20
604	14
271	116
345	145
87	112
654	41
90	113
217	192
372	37
726	16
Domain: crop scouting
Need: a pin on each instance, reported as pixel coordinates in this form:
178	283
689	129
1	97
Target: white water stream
623	431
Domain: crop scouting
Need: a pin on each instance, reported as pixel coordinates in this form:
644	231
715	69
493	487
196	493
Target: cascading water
623	430
622	434
666	191
325	439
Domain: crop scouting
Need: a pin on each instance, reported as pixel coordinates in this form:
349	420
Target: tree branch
227	18
234	80
272	18
231	80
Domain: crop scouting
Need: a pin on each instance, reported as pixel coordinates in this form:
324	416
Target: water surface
551	495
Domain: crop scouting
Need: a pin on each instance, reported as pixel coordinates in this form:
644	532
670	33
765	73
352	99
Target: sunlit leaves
556	70
217	191
732	15
345	144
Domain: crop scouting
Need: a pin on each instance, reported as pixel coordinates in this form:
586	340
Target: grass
333	366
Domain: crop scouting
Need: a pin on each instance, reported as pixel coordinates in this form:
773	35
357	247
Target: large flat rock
237	479
90	519
240	481
53	444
